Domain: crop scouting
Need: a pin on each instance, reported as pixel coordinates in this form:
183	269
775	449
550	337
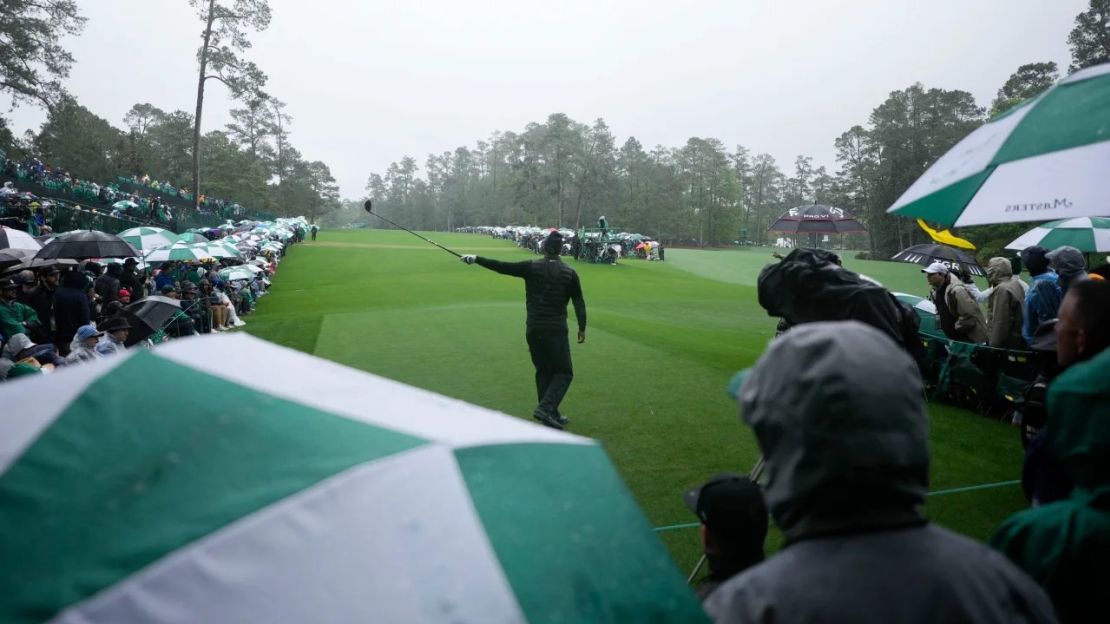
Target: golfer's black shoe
547	419
563	420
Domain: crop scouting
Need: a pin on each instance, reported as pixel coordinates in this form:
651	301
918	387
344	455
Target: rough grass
663	340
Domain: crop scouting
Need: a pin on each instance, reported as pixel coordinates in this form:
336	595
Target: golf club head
368	206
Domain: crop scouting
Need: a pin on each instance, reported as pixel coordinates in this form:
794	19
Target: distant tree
77	141
224	38
1090	39
1029	80
253	125
32	59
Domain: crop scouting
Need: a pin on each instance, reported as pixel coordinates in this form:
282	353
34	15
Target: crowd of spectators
839	412
61	315
149	201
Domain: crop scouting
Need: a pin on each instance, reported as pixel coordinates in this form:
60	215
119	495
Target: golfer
548	285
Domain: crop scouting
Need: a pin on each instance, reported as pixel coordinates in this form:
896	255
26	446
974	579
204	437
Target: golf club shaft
416	235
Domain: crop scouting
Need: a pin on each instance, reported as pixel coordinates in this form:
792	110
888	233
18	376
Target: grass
663	340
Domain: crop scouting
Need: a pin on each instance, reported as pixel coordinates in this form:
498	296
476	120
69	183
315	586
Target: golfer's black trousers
550	351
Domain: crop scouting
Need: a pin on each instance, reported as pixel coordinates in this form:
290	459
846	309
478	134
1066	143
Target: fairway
662	342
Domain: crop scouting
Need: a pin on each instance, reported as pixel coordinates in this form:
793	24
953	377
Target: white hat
936	267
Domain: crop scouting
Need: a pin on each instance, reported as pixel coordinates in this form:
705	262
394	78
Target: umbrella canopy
280	487
925	309
14	257
929	253
18	239
221	250
148	238
816	219
234	273
179	251
1087	234
193	237
84	244
1045	159
148	315
125	204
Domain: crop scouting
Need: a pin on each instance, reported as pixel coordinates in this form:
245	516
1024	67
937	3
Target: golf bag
809	286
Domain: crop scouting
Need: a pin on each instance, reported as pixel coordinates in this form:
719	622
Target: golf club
369	208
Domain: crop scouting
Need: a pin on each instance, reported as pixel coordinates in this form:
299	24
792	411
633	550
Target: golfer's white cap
936	267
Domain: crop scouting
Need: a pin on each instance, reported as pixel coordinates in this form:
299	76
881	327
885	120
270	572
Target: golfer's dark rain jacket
548	285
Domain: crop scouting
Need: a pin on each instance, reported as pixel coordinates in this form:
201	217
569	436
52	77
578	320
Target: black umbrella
949	256
817	219
88	244
149	315
14	257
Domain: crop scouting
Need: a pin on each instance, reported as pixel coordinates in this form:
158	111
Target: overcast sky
368	82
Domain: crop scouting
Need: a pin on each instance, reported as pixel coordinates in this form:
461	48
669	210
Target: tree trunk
200	103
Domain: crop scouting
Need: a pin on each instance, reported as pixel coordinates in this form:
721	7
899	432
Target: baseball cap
87	331
936	267
168	288
9	282
730	505
123	292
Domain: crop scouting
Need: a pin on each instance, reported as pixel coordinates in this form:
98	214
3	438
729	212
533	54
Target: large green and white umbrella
1048	158
1087	234
236	273
149	238
221	250
179	252
193	237
273	486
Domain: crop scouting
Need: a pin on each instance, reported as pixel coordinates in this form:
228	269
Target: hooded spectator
1065	545
839	412
83	347
71	308
1069	264
1043	298
20	347
1005	307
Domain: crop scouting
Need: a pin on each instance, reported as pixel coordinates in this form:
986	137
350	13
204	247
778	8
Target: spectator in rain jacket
71	309
116	330
15	317
1065	545
1043	298
839	412
107	285
130	280
83	346
960	316
1069	264
1005	308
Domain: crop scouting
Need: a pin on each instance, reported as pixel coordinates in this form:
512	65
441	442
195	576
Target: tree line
250	161
565	173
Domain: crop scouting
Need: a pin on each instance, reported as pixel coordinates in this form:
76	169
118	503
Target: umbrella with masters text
1047	158
274	486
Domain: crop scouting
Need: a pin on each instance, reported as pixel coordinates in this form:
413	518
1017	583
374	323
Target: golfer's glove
469	258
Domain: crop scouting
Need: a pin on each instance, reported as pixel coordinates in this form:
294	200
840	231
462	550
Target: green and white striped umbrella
235	273
1048	158
273	486
193	237
179	251
148	238
1087	234
221	250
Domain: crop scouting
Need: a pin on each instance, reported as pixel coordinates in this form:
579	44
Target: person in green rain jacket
1065	545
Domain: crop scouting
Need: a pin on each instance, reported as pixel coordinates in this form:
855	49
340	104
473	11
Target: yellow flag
945	237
